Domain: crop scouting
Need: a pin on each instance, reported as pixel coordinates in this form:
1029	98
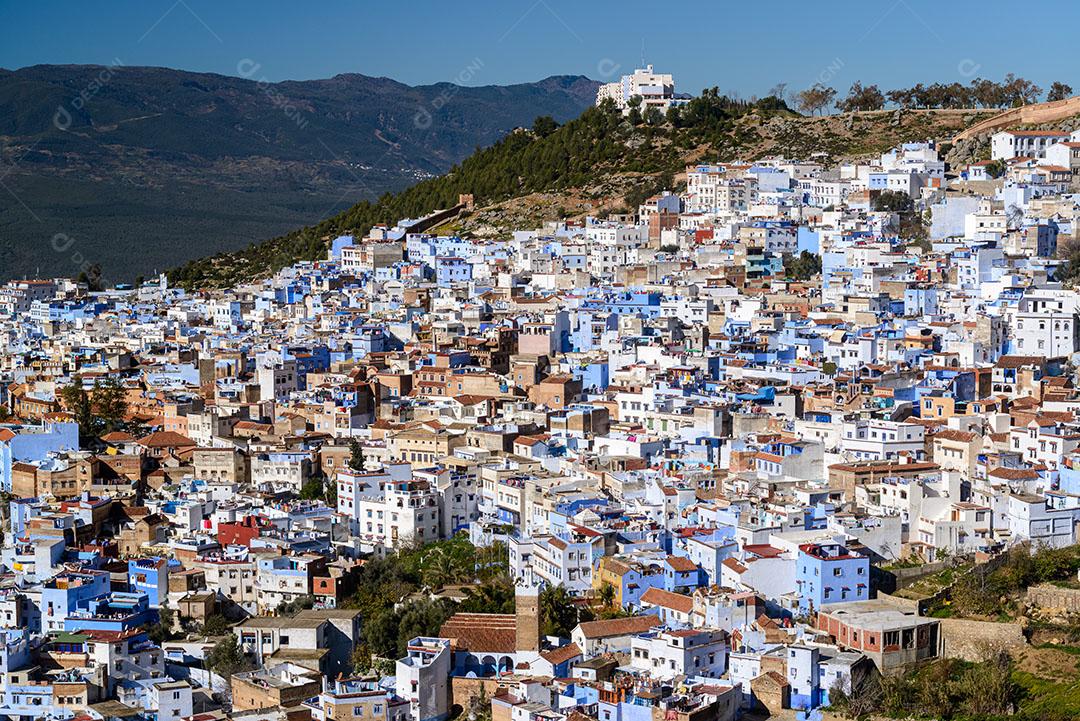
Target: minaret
527	621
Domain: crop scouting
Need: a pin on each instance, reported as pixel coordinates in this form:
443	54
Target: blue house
831	263
338	244
635	577
681	575
707	551
645	305
829	573
115	612
66	592
312	359
921	300
452	269
32	443
151	577
804	675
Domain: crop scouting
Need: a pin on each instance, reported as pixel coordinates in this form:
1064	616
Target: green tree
1055	564
161	631
381	631
300	603
215	625
312	489
439	567
988	688
606	594
559	614
110	403
674	117
98	411
544	125
356	456
815	98
996	168
422	617
803	266
1019	91
861	98
988	94
389	631
1059	91
226	658
361	658
77	402
935	691
893	201
92	278
493	562
489	597
975	594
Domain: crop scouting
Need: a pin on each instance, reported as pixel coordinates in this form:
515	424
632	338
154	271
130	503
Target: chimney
527	621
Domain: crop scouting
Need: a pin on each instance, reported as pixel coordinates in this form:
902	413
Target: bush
215	625
804	266
226	658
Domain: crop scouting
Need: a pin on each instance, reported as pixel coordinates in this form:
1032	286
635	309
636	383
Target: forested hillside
602	156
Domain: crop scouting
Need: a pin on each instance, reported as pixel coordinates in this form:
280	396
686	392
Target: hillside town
675	462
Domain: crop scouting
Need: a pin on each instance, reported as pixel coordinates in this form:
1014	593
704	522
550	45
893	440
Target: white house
663	655
1009	144
1066	154
880	439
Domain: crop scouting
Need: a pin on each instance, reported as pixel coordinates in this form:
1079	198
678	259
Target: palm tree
437	568
558	612
492	562
490	597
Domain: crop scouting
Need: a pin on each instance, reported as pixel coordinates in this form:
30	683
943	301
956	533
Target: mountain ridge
124	158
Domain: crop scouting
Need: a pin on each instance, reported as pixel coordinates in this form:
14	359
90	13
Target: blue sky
737	46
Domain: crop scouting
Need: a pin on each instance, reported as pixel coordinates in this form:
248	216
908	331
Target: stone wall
1034	114
463	690
908	576
1051	598
905	605
971	640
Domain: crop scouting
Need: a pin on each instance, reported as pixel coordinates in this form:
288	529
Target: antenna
643	53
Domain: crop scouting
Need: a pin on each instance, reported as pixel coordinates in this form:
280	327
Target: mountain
140	168
595	164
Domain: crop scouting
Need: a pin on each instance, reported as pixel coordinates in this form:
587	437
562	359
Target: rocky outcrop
968	151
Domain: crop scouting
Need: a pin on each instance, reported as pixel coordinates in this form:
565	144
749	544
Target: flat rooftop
874	614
